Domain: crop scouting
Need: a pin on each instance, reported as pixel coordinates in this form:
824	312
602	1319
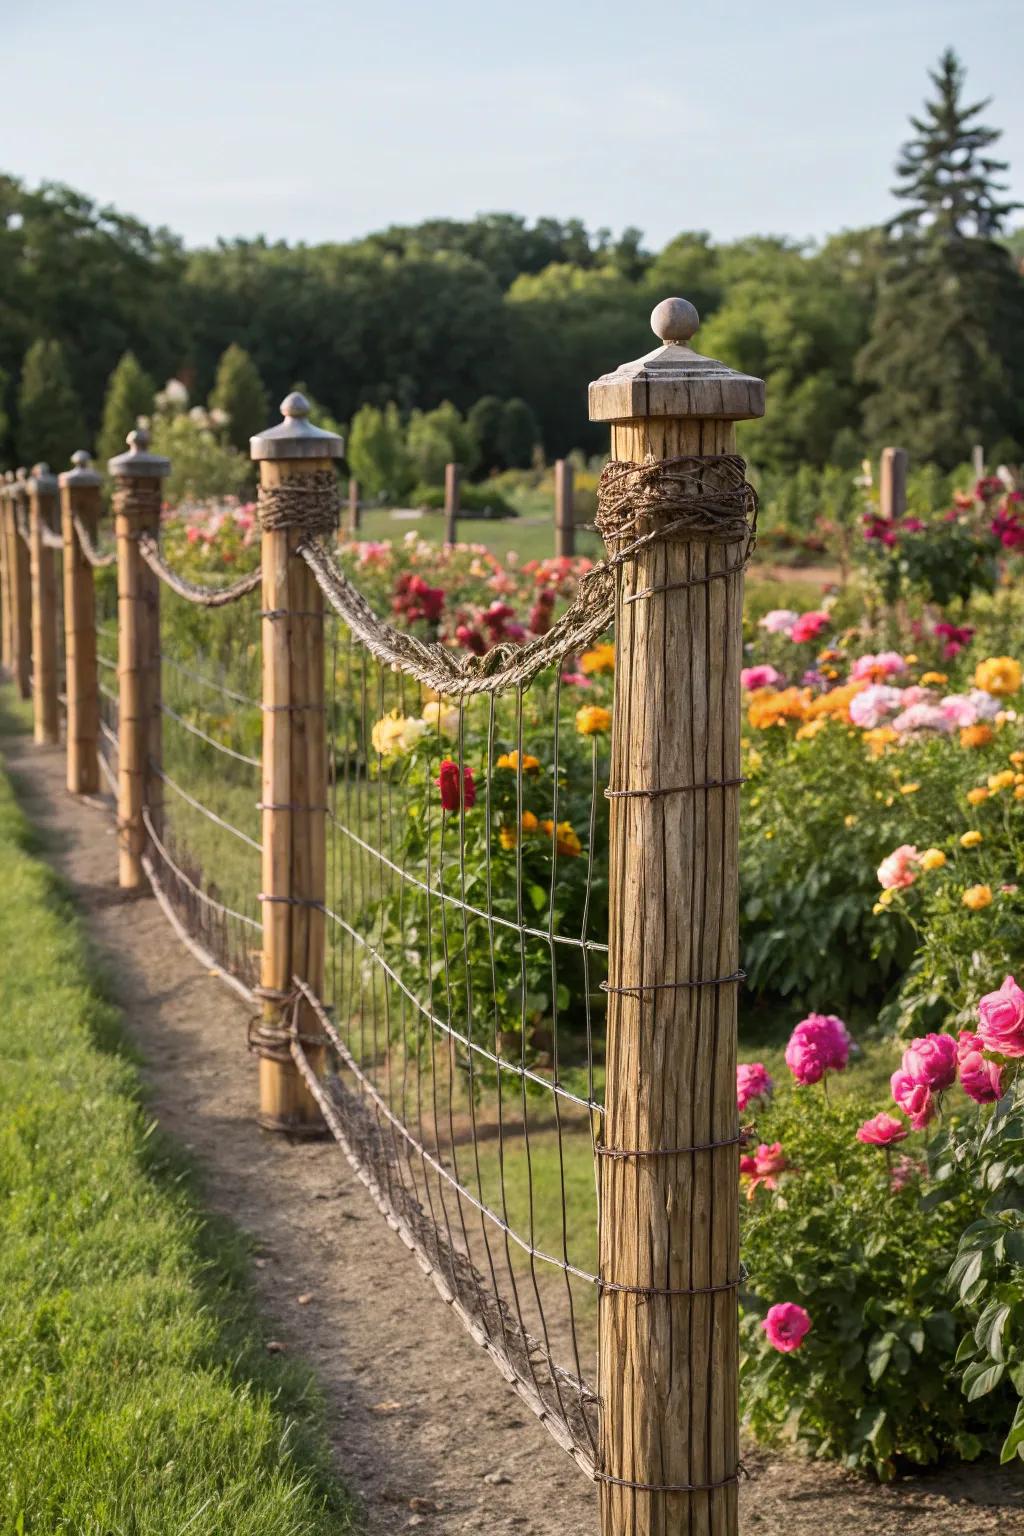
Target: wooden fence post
42	519
892	483
565	510
80	498
298	495
353	507
138	480
452	497
6	556
21	586
669	1245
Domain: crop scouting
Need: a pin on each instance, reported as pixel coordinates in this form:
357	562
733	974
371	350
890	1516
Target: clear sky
326	120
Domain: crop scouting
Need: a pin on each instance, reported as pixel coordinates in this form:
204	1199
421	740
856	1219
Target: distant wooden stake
42	519
565	510
138	477
21	586
892	483
294	773
353	508
6	558
978	461
452	496
80	497
669	1246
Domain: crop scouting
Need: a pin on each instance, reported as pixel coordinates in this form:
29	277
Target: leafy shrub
474	501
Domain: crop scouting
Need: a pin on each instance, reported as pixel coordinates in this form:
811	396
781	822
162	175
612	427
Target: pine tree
944	363
50	425
519	435
484	421
238	391
130	393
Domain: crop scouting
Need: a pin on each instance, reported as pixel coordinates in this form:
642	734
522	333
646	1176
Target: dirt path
424	1430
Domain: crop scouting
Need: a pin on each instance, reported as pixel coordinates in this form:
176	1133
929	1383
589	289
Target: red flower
471	638
456	795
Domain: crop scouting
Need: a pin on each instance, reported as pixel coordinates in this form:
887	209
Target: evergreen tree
437	438
238	392
376	451
130	393
484	421
944	363
519	434
50	425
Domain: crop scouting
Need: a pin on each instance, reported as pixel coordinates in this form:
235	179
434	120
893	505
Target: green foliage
484	421
519	434
238	391
377	454
474	500
50	425
874	1382
139	1394
130	394
202	465
439	437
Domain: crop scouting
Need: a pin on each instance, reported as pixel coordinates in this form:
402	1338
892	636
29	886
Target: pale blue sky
326	120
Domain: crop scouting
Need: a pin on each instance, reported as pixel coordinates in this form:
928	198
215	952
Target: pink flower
819	1044
779	621
456	794
905	1170
922	717
981	1080
748	1166
884	664
881	1131
962	709
786	1326
930	1061
752	1083
914	1099
768	1161
1001	1019
578	679
808	626
899	869
874	704
759	677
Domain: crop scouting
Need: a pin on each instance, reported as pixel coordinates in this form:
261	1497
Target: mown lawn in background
136	1391
533	538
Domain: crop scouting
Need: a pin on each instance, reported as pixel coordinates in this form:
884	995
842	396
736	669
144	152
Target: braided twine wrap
307	503
140	500
702	499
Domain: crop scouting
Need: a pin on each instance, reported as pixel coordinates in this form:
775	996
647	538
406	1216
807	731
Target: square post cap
83	474
138	463
41	481
296	437
674	380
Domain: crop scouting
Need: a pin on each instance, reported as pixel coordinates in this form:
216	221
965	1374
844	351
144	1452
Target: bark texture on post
892	482
21	587
294	457
42	519
353	507
669	1243
138	482
80	498
565	510
452	497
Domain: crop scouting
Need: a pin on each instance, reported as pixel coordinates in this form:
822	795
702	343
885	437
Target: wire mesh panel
467	919
106	663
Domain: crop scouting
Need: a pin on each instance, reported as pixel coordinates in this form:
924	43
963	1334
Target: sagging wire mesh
467	920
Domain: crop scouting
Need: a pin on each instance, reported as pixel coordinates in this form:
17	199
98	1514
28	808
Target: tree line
912	332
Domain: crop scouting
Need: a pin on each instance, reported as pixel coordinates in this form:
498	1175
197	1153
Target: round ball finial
138	439
295	405
40	469
674	320
80	459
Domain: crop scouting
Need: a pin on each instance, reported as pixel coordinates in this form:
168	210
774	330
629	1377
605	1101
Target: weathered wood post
42	520
978	460
21	585
892	483
669	1246
353	507
452	499
6	557
138	482
298	498
565	510
80	501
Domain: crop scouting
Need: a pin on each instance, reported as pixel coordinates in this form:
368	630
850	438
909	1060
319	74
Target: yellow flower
1017	758
566	841
529	822
976	796
850	821
976	735
600	659
880	737
937	678
909	789
1018	793
1000	675
932	858
507	837
394	735
877	909
1018	778
591	720
910	658
998	781
442	717
977	896
511	760
888	897
810	729
755	762
971	839
768	835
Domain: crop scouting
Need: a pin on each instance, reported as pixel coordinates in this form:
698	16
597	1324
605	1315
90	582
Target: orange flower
592	720
511	760
880	737
977	896
600	659
976	735
566	841
835	705
935	678
768	707
529	822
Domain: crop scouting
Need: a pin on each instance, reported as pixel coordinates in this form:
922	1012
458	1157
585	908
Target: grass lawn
136	1391
532	537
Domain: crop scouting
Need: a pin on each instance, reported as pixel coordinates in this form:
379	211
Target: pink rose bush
899	869
786	1325
819	1044
884	664
874	705
759	677
1001	1019
808	627
753	1085
980	1079
882	1131
779	621
915	1099
931	1060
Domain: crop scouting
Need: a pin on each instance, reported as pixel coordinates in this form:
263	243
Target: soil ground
425	1432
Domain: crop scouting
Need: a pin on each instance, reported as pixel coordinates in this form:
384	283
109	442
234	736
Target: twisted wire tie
672	789
720	1482
700	1146
669	986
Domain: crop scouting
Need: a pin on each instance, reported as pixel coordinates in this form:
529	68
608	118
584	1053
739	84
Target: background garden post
21	585
353	507
295	458
892	483
6	555
138	481
42	519
452	492
669	1242
565	510
80	499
